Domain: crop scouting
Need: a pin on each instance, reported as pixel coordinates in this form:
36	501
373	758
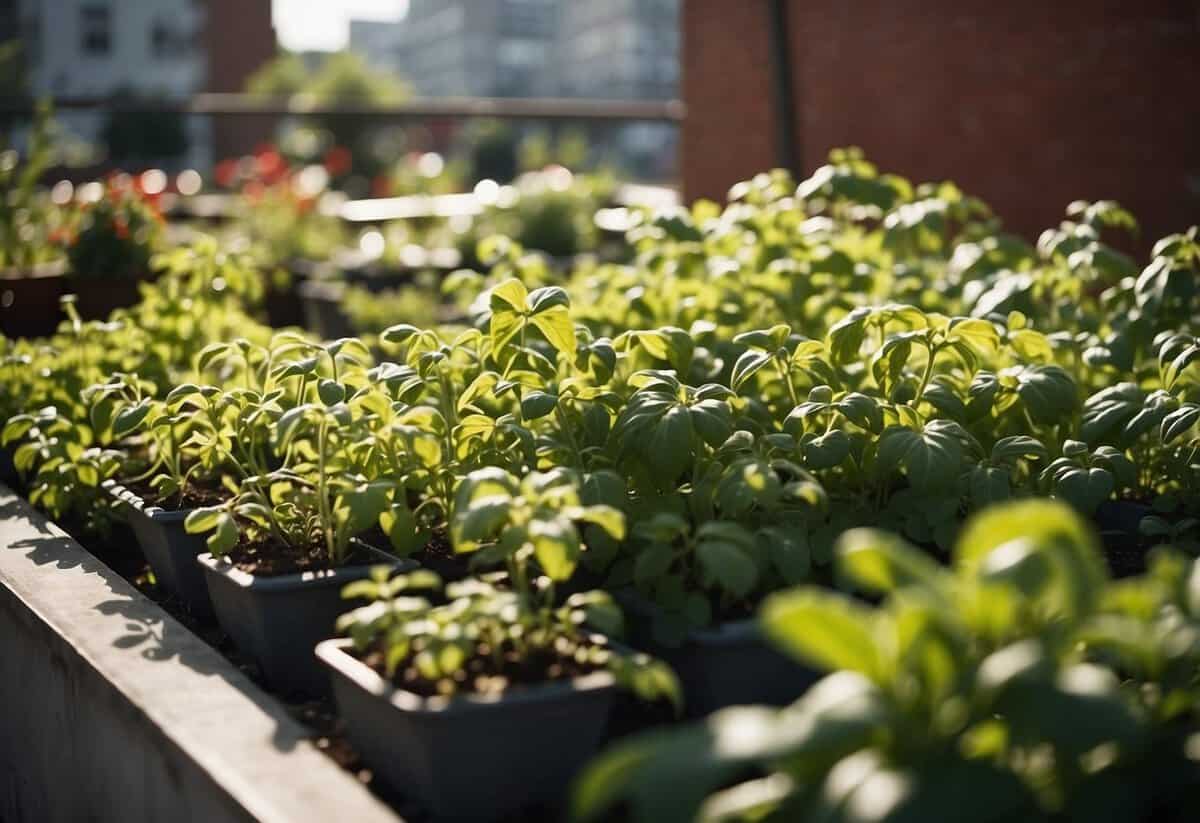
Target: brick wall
1027	104
238	38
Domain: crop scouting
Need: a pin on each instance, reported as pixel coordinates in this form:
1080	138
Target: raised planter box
113	711
472	758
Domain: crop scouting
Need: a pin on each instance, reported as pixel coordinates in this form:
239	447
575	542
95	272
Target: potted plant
283	545
31	261
488	703
978	692
110	248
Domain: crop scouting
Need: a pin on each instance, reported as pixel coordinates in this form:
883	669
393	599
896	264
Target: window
95	27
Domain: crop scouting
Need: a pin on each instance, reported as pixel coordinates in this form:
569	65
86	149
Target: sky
324	25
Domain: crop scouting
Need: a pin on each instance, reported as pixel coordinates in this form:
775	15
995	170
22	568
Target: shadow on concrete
155	625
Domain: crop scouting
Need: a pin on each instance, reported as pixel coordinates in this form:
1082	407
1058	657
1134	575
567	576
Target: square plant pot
168	548
29	300
729	664
277	621
471	757
8	470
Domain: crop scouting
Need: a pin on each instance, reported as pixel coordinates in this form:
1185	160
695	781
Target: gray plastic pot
8	471
730	664
168	548
276	621
470	757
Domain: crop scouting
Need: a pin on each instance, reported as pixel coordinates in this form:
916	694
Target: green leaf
556	546
1047	528
399	333
825	629
330	391
1010	449
1085	489
789	553
727	566
1048	392
669	451
224	537
880	562
749	364
130	417
930	458
1178	422
610	519
537	404
652	563
400	525
203	519
555	324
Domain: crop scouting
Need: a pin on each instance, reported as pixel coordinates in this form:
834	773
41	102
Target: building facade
619	50
160	49
479	48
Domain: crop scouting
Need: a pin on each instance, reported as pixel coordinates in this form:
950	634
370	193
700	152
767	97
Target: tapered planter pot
8	470
321	301
29	300
168	548
277	621
729	664
470	757
97	297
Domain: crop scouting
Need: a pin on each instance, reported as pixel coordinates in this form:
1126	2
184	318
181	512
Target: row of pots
466	756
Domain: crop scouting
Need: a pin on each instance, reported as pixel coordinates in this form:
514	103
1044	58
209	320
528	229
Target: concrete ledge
110	710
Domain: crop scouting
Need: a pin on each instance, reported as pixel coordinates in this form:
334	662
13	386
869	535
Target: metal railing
505	108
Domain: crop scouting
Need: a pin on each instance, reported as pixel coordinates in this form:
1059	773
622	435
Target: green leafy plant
1022	683
485	639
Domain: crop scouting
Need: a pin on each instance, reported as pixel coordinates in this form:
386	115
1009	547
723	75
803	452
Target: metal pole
788	151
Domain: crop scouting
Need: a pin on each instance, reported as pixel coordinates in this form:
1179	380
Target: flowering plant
115	236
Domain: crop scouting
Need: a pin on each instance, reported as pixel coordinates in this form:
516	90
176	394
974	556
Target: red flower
338	161
121	228
226	172
270	166
381	186
254	191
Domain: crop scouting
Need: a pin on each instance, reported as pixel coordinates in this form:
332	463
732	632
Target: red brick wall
238	38
1028	104
729	133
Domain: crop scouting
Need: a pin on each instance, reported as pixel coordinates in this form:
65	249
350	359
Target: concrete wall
112	711
1026	104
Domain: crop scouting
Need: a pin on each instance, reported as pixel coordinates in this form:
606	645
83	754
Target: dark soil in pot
472	757
168	548
728	664
278	607
29	300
